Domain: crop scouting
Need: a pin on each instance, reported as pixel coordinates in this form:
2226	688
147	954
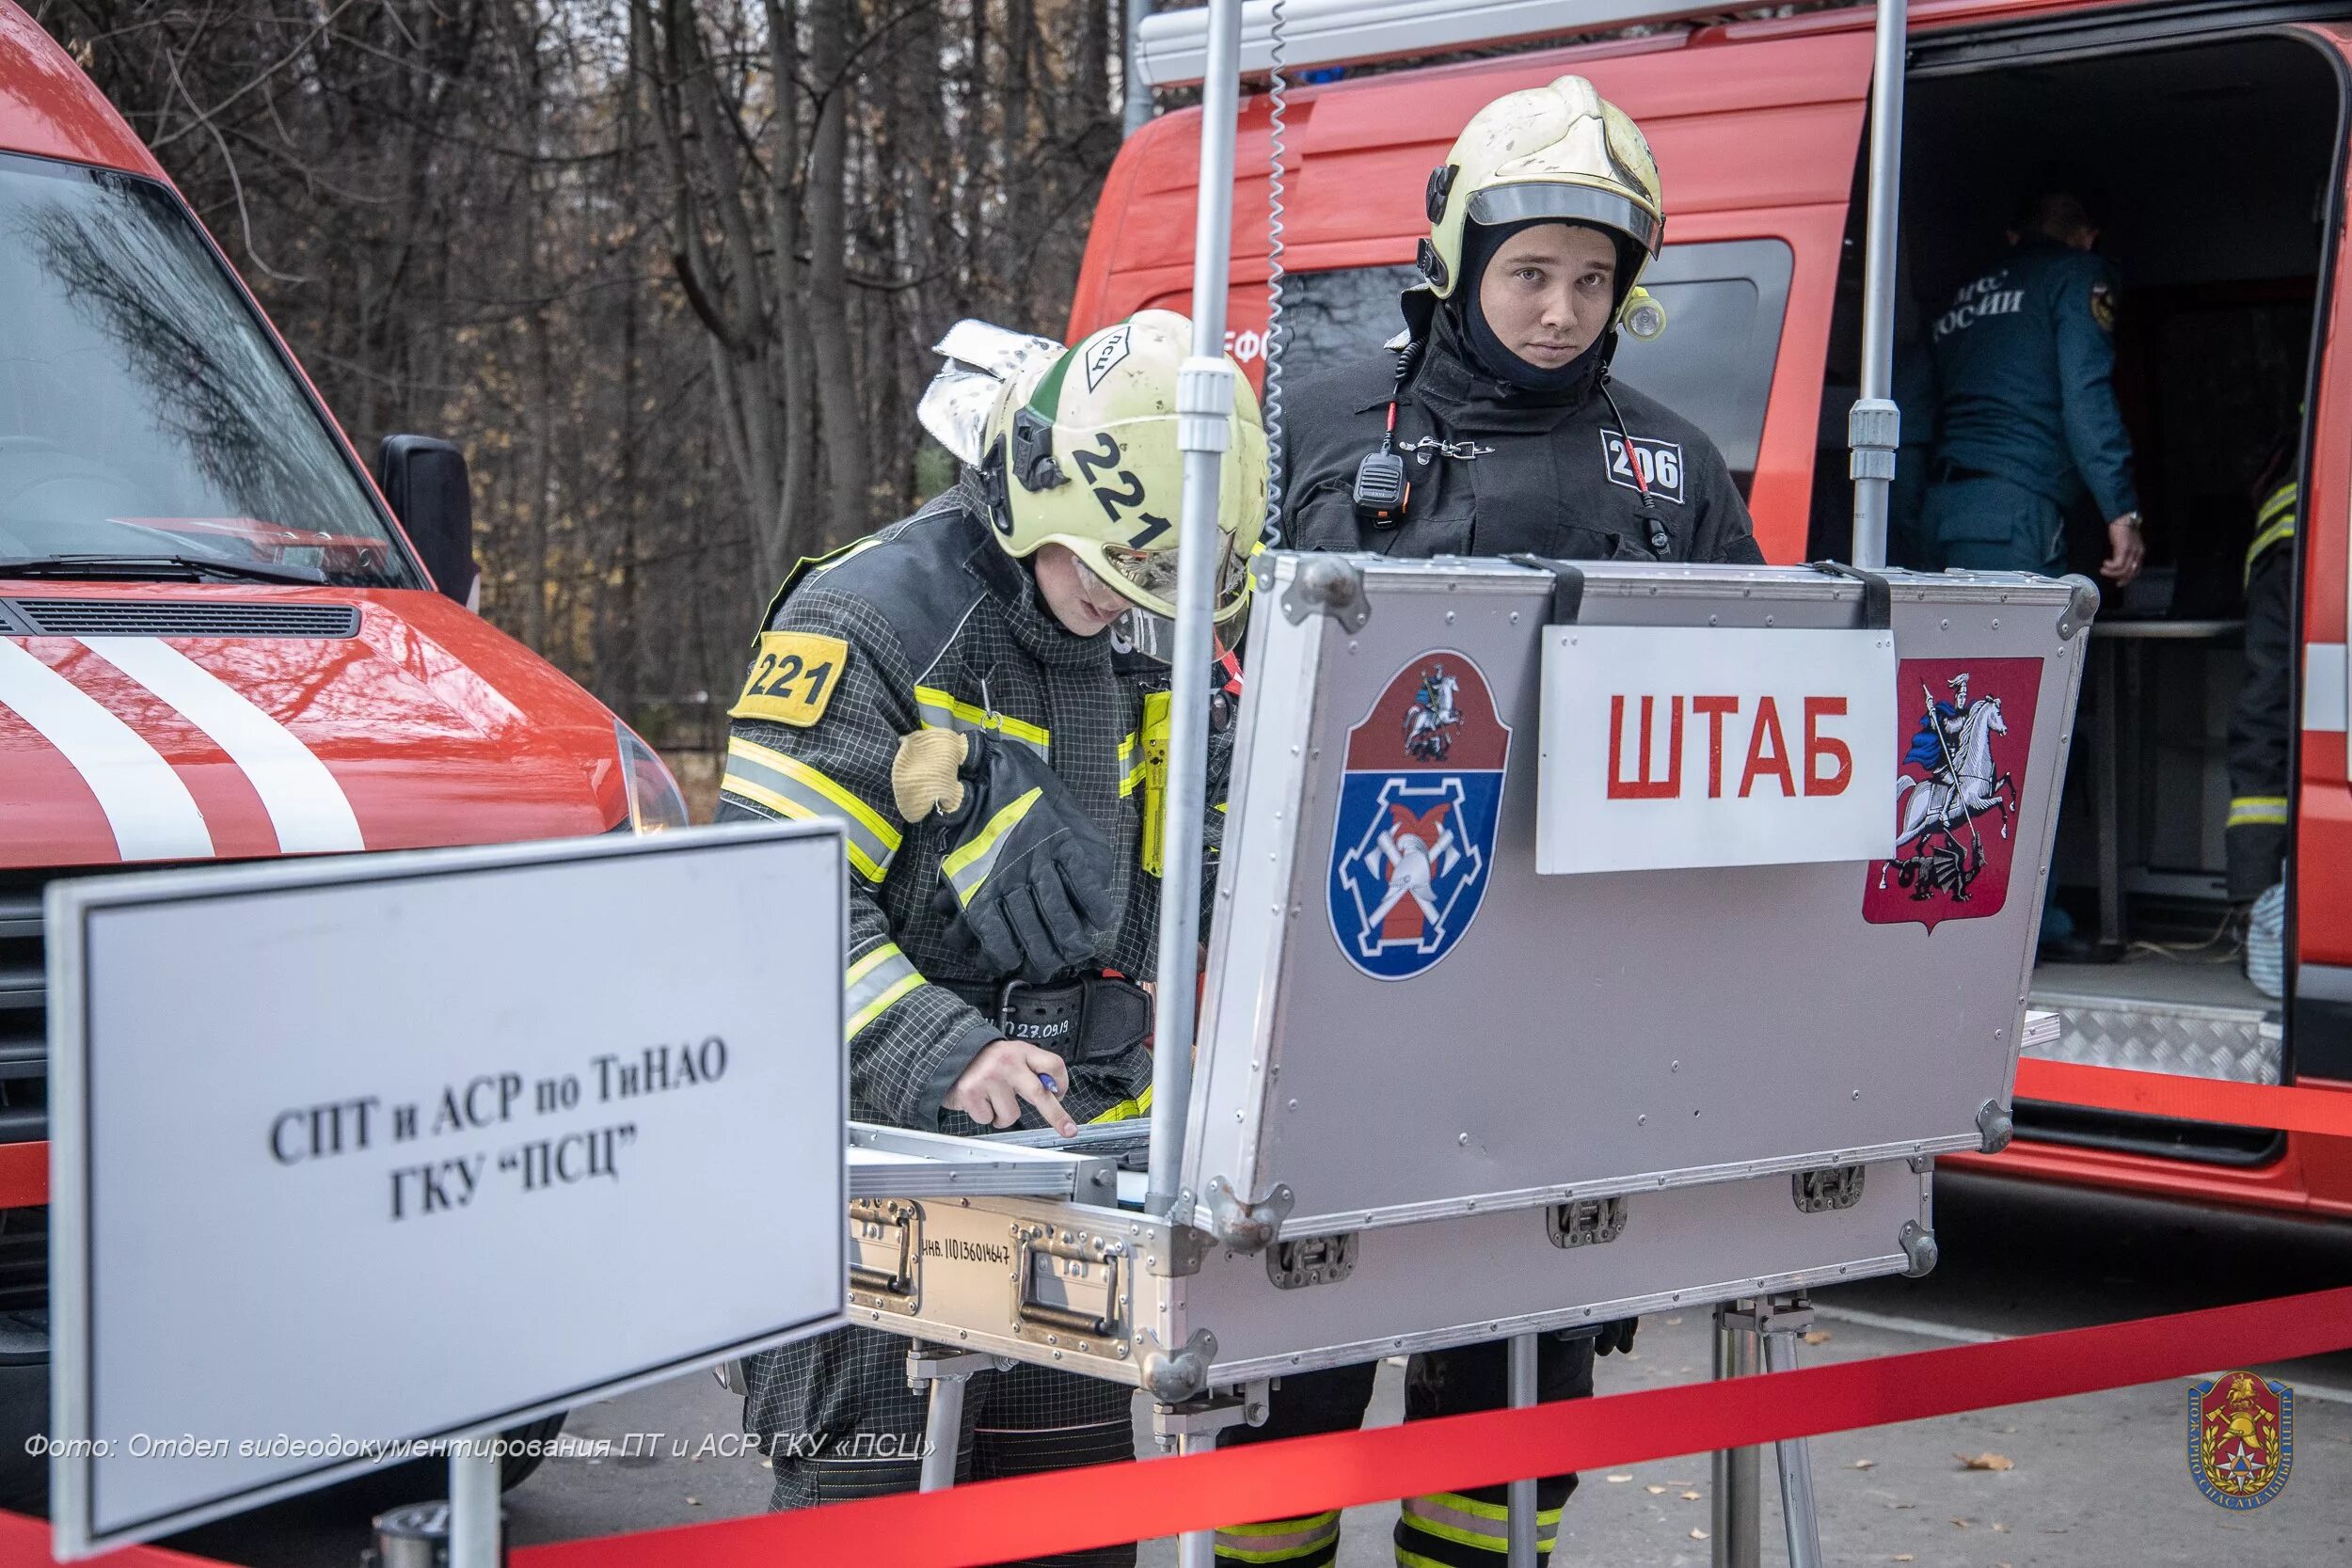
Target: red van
2211	142
216	640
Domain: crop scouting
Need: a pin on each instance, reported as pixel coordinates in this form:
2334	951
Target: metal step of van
2204	1021
2156	1015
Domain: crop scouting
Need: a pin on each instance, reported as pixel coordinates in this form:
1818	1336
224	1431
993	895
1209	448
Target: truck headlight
656	804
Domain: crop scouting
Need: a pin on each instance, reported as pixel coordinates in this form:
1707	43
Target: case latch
886	1253
1328	585
1067	1281
1310	1261
1825	1188
1585	1221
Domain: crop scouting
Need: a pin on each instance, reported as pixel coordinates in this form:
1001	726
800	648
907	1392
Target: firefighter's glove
1617	1335
1028	885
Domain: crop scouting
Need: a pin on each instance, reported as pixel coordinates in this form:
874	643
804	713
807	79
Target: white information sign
353	1153
1688	745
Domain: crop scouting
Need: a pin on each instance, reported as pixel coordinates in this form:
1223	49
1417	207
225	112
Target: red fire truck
217	640
2211	141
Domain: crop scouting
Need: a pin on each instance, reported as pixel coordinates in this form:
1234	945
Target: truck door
2319	1036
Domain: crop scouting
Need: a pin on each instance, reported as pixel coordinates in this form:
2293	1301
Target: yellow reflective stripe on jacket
1278	1540
1128	1110
1130	766
2258	811
967	865
2281	499
940	710
1466	1521
872	984
2274	523
793	788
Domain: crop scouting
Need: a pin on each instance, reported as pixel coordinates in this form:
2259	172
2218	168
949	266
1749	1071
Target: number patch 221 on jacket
1659	465
792	679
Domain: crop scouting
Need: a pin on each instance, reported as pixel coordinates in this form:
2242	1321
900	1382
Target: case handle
1567	586
1877	595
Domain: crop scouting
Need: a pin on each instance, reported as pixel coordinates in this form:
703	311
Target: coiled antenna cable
1276	101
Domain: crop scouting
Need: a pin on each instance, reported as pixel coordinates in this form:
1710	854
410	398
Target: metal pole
1519	1498
1196	1548
1796	1465
942	1433
1138	104
1204	408
1874	429
1738	1471
473	1502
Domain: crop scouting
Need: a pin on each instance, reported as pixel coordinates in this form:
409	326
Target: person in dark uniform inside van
1492	426
2026	423
2024	362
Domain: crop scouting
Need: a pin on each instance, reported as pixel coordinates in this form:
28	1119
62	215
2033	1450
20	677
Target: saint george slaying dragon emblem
1413	842
1956	790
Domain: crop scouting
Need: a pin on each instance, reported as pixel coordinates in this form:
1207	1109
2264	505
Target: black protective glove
1028	883
1617	1335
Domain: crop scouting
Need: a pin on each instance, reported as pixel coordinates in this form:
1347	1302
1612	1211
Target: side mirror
424	480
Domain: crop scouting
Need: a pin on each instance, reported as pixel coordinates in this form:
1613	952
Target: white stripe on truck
152	816
307	807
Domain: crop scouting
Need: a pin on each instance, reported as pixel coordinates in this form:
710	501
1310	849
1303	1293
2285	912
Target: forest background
668	270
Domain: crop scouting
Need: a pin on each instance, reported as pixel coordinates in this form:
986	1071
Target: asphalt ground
2080	1482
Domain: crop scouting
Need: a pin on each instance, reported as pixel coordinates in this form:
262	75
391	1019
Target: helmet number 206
1103	457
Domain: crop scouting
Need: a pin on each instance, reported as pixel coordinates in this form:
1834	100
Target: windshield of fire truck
145	412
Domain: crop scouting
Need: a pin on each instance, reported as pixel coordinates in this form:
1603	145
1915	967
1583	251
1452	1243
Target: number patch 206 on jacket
1660	465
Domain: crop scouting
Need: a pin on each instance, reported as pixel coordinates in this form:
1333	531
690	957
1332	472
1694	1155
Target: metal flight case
1498	1100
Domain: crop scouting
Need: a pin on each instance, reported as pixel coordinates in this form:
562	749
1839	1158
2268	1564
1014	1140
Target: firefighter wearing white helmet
1493	426
1082	454
948	689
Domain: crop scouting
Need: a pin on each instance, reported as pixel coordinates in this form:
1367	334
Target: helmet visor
1150	575
1561	202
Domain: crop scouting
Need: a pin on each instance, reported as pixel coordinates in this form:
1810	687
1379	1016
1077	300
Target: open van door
2320	982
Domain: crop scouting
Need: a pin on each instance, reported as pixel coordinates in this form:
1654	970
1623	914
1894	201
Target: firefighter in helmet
1493	428
1492	425
949	689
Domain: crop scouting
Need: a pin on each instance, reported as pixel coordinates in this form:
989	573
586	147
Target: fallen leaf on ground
694	1502
1654	1491
2000	1529
1902	1557
1690	1497
1863	1465
1986	1461
1816	1336
1698	1535
1960	1524
1614	1479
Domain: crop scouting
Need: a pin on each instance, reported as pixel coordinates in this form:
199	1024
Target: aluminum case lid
1518	1038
